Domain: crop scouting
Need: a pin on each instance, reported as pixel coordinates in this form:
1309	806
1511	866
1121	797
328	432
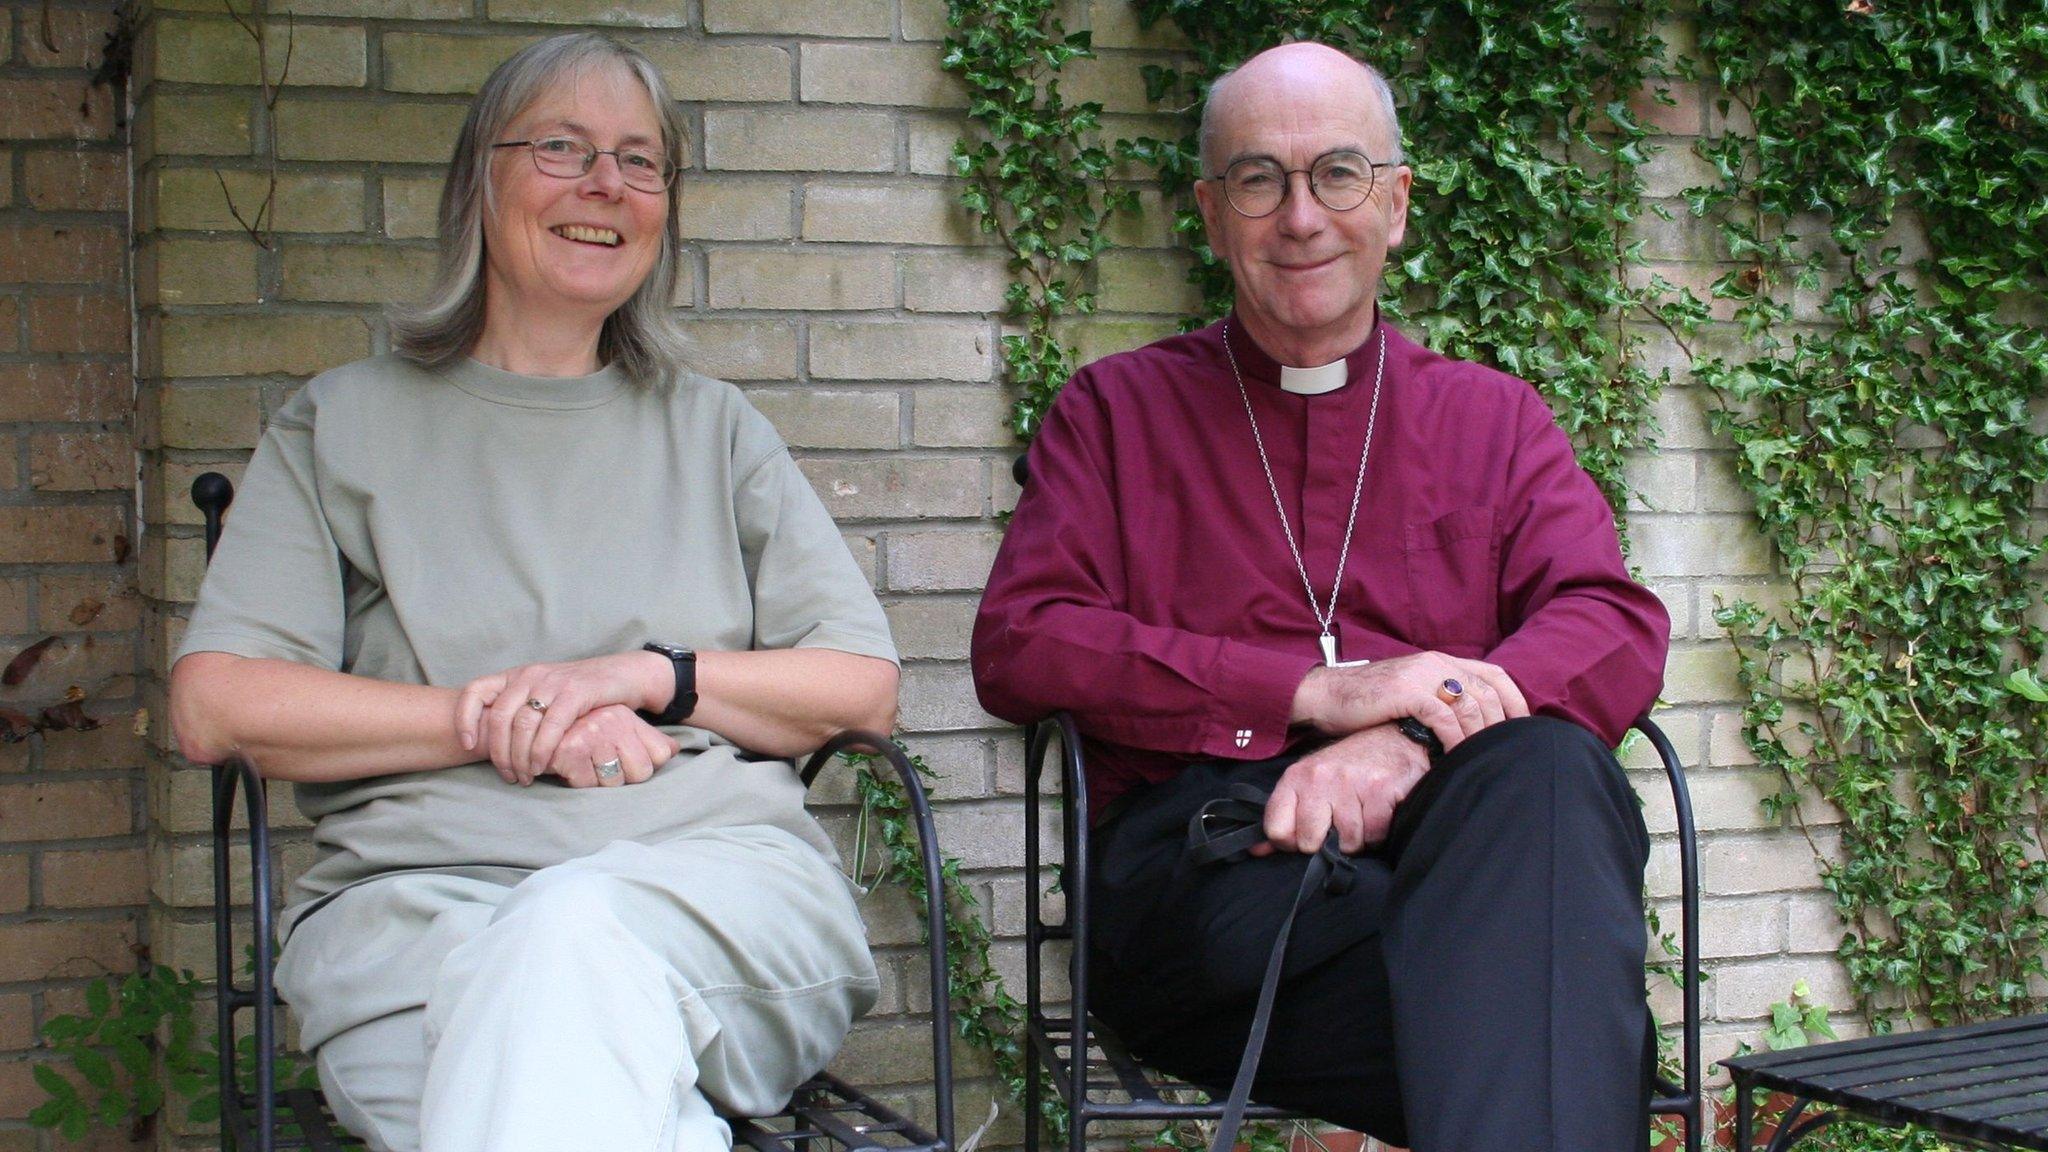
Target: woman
464	601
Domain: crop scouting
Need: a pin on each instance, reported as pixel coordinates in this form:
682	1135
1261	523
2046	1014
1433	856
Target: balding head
1251	87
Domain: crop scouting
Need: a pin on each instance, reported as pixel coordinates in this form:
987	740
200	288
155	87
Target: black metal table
1977	1083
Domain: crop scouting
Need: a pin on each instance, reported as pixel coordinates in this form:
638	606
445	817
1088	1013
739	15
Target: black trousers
1479	989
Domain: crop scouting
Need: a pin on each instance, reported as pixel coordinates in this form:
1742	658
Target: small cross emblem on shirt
1244	737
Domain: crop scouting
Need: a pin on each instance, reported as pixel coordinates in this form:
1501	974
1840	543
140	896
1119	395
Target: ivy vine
1037	180
1890	216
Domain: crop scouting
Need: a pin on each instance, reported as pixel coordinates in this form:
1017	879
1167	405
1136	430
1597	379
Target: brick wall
72	856
829	272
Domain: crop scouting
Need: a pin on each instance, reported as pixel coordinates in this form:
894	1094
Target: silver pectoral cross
1330	660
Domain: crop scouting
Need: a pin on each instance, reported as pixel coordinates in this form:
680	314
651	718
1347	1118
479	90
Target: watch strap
684	701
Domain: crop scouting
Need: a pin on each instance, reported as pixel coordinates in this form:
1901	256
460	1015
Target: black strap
1223	831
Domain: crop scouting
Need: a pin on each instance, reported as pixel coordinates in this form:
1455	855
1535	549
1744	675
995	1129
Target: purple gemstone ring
1449	691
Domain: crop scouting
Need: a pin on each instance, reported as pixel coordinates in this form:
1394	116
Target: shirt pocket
1453	567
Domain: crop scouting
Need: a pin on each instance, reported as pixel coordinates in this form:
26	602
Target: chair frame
817	1115
1106	1065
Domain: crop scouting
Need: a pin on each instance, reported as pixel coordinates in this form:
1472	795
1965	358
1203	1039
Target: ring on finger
537	705
609	769
1450	691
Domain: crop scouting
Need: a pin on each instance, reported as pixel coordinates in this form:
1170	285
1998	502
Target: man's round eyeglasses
569	157
1340	181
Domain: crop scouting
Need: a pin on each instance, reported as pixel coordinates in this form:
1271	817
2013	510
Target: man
1168	578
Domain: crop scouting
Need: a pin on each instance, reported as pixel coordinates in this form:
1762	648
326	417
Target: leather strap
1223	831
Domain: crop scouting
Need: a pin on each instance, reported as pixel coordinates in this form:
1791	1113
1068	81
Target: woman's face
584	243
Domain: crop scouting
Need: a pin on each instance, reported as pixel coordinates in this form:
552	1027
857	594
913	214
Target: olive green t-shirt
431	526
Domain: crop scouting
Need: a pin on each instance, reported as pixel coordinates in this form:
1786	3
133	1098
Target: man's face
1306	276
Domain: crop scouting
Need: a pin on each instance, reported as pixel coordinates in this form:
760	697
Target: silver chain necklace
1323	615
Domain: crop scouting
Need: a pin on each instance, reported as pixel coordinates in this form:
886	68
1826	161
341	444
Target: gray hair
1380	88
641	336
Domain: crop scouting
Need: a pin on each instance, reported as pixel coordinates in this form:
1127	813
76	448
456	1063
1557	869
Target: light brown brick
256	345
60	254
783	140
113	744
444	62
10	325
357	273
10	477
931	628
56	109
1695	545
412	207
940	561
897	488
81	461
940	698
819	418
64	535
351	130
1679	111
887	214
202	123
1746	991
91	663
961	417
712	72
13	887
851	18
102	878
6	162
1100	336
954	282
742	349
1146	280
75	39
714	208
896	74
17	1023
1703	674
196	416
801	279
96	323
633	13
375	9
192	198
182	271
77	392
173	568
219	51
82	601
66	810
65	949
896	350
77	181
923	19
14	614
932	138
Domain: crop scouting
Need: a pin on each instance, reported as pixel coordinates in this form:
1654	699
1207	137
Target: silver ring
609	769
536	705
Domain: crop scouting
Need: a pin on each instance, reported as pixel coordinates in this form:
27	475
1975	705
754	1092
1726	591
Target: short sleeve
807	590
274	587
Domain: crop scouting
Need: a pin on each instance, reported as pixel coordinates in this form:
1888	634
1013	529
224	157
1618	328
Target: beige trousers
607	1003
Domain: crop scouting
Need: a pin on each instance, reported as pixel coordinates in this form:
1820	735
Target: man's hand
495	714
1352	785
1341	701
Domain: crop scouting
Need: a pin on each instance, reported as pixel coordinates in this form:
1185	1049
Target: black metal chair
1106	1083
825	1114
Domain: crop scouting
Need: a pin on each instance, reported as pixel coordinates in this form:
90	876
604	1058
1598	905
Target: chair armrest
261	997
856	740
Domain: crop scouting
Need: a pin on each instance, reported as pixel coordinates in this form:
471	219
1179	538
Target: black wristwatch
685	700
1419	732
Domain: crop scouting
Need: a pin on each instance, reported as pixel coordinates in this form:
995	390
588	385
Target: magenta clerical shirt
1146	585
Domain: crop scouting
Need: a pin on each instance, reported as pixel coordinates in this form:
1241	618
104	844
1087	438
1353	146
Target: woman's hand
519	717
604	735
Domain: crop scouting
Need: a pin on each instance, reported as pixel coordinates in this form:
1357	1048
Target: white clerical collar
1315	381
